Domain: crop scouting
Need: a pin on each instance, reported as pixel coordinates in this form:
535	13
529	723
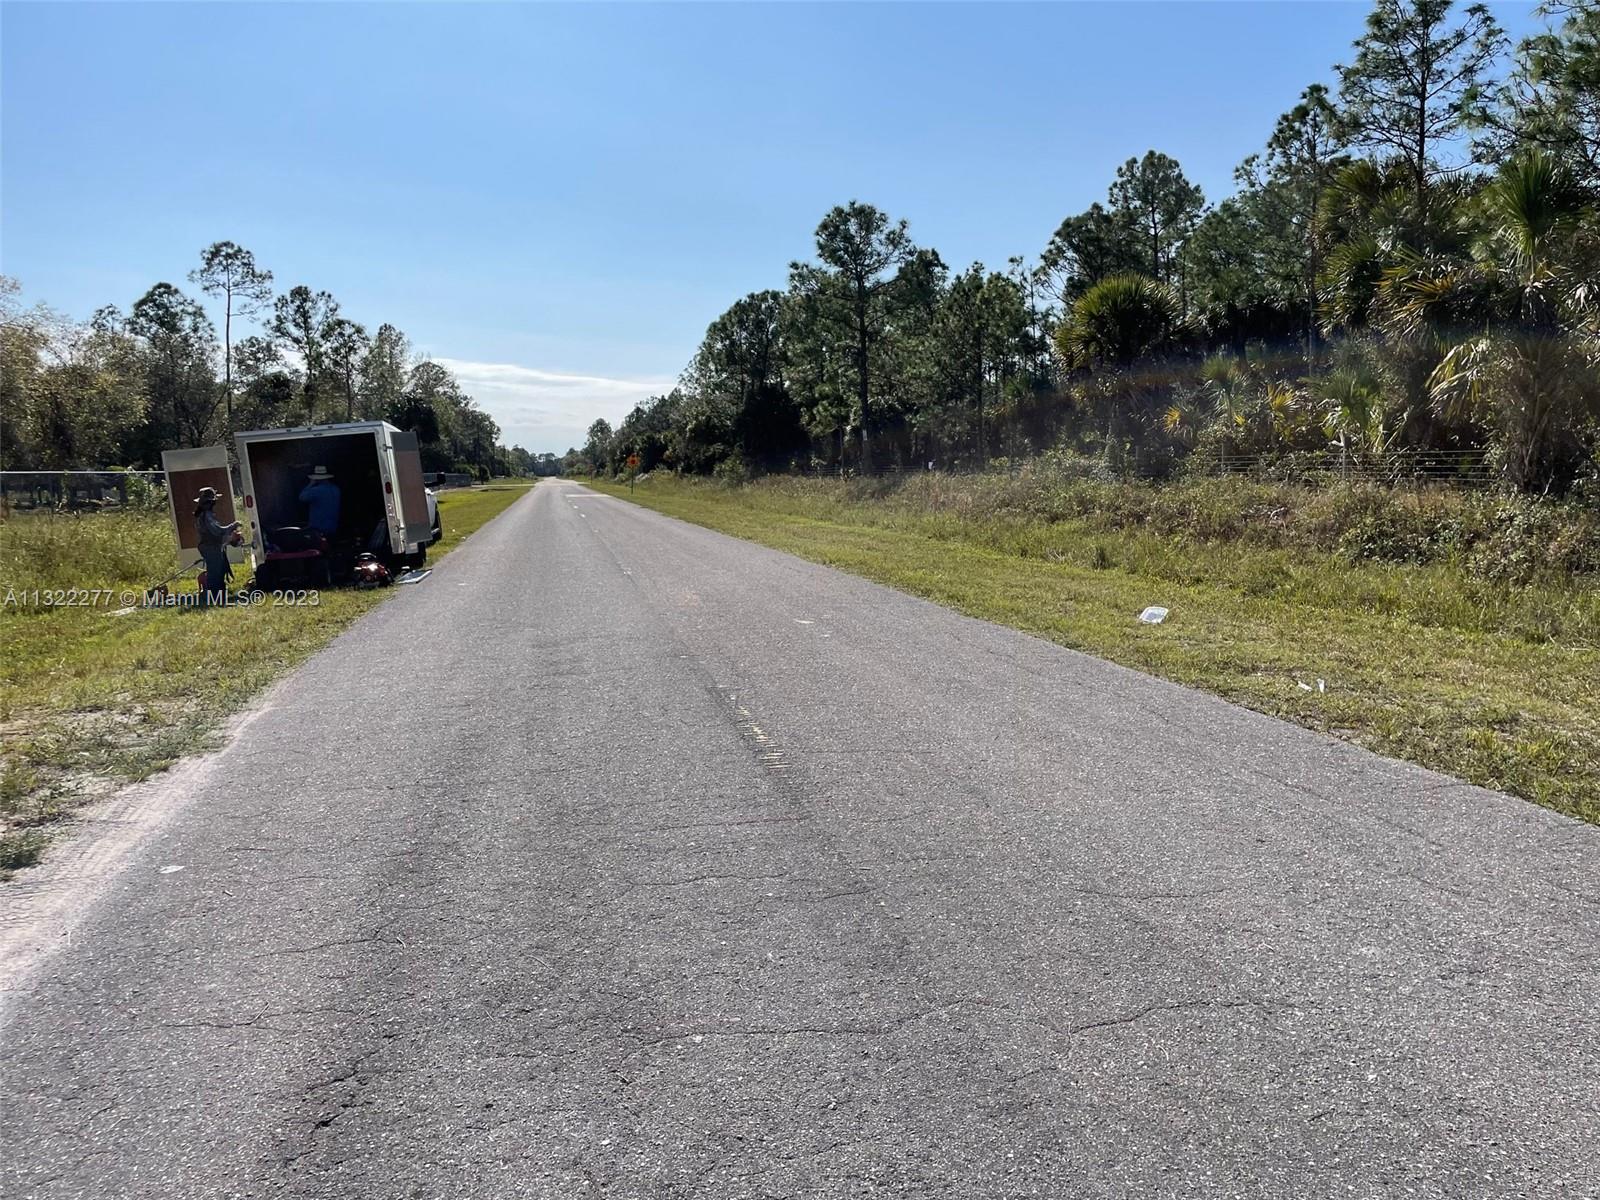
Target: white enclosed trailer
384	504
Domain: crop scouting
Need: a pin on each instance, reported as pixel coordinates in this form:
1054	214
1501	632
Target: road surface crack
1151	1010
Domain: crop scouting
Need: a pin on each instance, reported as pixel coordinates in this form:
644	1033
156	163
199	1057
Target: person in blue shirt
321	497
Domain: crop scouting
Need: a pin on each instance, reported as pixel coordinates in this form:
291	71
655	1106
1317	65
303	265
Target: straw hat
208	495
319	472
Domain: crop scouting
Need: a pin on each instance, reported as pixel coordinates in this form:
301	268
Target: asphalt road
622	858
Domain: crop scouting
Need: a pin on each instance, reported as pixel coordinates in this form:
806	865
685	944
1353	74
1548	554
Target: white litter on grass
1322	685
1153	615
170	870
122	612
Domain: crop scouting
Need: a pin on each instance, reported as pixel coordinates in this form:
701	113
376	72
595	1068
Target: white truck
384	505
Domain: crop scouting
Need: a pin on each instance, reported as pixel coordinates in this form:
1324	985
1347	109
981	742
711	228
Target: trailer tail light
388	488
249	501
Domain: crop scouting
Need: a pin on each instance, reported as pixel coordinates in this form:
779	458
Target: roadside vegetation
1402	283
91	699
1459	631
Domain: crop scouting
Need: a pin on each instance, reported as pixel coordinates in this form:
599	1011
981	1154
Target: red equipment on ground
369	572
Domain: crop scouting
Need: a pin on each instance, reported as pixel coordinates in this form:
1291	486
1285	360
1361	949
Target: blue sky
556	200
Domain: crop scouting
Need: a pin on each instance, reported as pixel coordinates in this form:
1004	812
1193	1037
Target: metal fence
95	491
1459	468
56	491
1453	468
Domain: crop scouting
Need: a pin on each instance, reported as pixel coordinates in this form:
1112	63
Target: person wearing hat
321	498
213	538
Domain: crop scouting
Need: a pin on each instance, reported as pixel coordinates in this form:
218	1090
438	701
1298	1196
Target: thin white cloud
548	410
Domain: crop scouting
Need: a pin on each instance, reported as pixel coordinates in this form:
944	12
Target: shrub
731	471
146	494
1518	538
1067	466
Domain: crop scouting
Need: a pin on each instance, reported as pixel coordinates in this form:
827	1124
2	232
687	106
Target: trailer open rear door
187	472
413	492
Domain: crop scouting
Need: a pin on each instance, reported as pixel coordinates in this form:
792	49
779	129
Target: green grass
1494	682
91	700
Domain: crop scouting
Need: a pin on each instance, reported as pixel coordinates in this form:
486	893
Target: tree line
1411	261
122	387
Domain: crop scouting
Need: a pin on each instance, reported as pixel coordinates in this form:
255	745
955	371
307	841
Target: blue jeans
217	572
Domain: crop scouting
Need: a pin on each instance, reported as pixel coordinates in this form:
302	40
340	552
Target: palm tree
1519	316
1370	215
1124	327
1226	382
1353	408
1120	320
